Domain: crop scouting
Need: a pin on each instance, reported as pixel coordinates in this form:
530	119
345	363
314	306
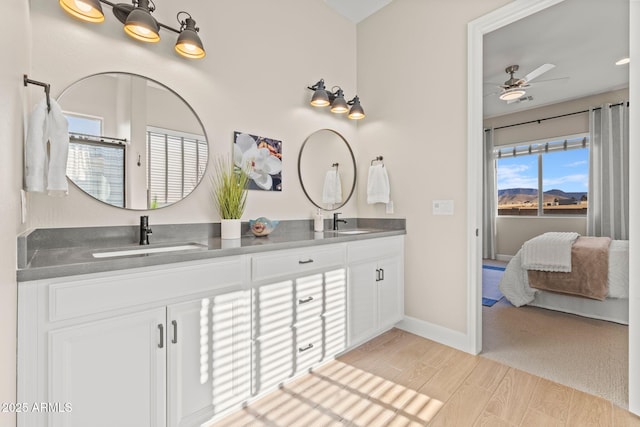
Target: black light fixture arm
121	10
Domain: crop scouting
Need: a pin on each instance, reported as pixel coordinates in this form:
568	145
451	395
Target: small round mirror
327	169
134	143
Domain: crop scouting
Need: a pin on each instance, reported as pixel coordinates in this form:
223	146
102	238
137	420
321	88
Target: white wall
412	72
15	63
260	59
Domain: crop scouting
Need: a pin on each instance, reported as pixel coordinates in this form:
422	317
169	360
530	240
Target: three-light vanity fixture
139	24
335	97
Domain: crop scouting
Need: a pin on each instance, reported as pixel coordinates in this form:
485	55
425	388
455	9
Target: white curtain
608	203
489	198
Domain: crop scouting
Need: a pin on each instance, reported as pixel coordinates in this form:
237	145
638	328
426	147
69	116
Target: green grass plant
229	188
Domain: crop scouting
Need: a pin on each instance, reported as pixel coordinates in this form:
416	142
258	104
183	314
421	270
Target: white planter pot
230	228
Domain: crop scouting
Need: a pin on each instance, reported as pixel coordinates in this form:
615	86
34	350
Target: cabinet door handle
377	274
306	261
382	274
305	300
161	328
175	331
303	349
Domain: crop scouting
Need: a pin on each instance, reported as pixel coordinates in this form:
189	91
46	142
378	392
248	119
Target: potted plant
229	196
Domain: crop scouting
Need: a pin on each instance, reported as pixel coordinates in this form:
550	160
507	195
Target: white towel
332	189
47	170
549	252
378	185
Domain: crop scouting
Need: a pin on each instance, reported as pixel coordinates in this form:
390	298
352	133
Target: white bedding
514	284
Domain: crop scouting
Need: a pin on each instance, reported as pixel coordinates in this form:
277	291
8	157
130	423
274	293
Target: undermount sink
356	231
148	250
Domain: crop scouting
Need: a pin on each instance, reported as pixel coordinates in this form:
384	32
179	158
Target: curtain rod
554	117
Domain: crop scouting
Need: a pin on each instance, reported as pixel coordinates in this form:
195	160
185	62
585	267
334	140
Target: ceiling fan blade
538	71
538	82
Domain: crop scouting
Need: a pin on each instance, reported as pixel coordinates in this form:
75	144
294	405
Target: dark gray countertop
42	258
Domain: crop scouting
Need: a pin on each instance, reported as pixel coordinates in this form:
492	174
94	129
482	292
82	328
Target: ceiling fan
514	88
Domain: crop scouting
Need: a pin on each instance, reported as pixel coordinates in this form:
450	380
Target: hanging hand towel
378	185
332	190
35	150
58	133
47	170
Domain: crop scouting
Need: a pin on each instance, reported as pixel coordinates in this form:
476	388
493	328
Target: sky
563	170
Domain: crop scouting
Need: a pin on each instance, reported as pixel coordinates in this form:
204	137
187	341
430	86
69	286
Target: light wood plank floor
400	379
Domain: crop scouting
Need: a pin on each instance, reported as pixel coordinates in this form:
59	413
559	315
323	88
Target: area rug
491	276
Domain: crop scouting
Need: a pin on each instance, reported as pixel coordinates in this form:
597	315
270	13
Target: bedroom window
543	177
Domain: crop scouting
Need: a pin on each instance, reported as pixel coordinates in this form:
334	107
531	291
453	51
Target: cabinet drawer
102	292
308	297
294	262
309	344
375	248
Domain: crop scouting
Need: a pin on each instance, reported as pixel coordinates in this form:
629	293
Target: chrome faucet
144	230
336	220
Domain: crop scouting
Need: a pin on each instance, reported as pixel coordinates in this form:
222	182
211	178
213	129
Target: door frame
476	30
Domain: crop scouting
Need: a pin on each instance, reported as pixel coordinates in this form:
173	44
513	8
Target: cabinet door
390	293
362	298
209	356
111	372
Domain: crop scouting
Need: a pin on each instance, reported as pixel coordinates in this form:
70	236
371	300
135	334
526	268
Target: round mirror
327	169
134	143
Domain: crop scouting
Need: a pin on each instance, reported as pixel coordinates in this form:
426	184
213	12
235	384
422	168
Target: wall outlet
389	207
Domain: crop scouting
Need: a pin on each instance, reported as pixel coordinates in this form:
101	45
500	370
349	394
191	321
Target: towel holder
335	165
377	159
46	86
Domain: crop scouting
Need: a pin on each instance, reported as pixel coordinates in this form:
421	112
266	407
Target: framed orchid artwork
263	158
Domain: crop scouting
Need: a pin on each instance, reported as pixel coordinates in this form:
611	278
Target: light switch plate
443	207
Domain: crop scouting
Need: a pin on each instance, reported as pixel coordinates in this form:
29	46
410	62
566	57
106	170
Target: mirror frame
355	170
204	131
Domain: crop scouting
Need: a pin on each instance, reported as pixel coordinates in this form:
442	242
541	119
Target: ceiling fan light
85	10
511	94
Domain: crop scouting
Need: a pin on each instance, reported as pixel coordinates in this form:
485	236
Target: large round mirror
327	169
134	143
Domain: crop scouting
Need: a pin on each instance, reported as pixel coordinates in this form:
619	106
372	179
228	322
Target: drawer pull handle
306	261
303	349
175	331
161	328
305	300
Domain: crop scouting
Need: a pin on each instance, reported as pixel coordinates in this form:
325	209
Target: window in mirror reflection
176	163
96	167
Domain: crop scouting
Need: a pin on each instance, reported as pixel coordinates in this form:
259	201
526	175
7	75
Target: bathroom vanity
179	338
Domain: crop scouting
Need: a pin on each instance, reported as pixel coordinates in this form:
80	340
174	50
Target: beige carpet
586	354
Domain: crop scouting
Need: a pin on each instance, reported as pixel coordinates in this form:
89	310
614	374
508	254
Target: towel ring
377	159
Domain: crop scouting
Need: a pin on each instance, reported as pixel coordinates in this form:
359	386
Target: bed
613	306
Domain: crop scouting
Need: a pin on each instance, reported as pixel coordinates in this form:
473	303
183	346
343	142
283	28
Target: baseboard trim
437	333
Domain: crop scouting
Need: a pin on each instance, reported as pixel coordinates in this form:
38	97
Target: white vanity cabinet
299	311
376	287
150	347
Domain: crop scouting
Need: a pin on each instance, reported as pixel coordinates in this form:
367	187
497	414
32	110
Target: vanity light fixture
139	23
335	97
